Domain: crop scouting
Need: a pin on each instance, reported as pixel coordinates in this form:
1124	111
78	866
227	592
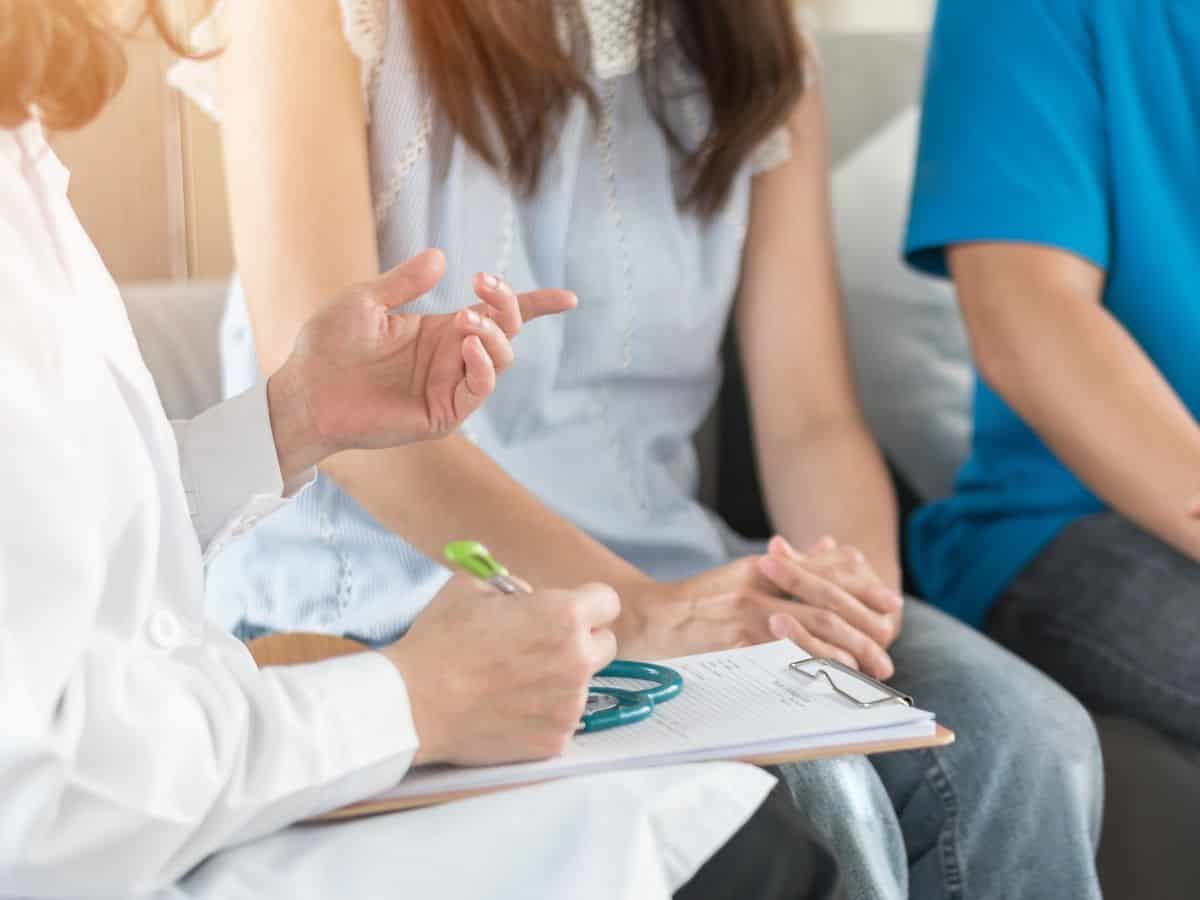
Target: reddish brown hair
504	80
64	59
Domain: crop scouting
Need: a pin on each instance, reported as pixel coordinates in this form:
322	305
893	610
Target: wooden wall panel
126	176
210	248
147	179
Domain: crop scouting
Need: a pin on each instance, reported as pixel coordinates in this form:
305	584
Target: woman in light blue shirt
660	162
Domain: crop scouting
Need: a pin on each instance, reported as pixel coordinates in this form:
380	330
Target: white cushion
910	350
177	324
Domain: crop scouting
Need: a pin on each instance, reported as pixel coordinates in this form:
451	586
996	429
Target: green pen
475	559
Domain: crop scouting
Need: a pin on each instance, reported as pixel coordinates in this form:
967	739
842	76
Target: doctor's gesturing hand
366	375
495	679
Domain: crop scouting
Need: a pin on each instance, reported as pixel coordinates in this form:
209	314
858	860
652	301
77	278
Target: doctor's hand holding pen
494	678
366	375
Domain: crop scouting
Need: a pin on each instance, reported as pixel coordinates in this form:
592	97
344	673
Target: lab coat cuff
231	468
367	697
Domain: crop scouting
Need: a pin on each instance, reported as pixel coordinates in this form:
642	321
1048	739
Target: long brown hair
63	58
504	80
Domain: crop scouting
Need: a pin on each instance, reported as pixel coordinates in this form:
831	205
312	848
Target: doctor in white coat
135	740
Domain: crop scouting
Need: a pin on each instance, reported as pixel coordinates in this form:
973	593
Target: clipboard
856	687
942	737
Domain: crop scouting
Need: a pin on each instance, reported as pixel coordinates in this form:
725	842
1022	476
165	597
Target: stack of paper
735	704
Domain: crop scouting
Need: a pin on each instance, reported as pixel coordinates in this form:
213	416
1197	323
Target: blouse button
164	629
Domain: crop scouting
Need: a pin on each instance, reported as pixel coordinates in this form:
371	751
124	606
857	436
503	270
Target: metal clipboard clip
817	669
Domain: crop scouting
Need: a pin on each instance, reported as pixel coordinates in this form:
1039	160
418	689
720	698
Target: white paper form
734	703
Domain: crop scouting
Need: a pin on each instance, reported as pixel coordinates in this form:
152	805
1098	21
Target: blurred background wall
147	177
876	15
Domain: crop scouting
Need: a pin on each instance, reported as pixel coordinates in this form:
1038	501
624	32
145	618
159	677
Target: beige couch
1153	784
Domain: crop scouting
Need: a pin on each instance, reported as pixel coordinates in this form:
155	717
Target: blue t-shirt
1073	124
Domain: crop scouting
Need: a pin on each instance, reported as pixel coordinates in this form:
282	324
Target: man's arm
1045	343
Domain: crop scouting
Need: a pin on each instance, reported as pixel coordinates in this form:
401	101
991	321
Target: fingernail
785	547
778	625
887	598
490	281
826	543
473	318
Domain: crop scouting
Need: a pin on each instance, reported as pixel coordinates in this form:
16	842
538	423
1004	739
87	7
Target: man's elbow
1005	355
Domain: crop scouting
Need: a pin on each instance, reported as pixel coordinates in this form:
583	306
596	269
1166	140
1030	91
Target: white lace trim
615	30
618	221
365	25
776	148
774	151
416	148
507	234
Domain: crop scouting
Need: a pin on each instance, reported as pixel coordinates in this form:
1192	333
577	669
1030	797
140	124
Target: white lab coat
135	739
619	836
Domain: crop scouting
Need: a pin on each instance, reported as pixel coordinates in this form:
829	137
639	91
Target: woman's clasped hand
827	599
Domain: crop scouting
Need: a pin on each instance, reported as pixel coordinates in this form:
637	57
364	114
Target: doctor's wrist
298	443
421	701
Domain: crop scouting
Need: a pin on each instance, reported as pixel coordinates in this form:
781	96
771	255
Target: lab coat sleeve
230	468
127	757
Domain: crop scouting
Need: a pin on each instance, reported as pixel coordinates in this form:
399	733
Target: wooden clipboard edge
941	737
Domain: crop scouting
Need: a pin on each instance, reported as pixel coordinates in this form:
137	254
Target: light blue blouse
598	414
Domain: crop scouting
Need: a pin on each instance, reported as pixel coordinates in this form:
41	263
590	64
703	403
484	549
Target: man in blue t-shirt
1058	183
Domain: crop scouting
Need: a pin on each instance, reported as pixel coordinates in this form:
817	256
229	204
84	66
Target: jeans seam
1118	661
952	868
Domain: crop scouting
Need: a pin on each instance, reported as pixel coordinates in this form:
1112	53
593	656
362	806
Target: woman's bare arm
822	472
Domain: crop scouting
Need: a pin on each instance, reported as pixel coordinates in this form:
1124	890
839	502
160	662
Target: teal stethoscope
607	707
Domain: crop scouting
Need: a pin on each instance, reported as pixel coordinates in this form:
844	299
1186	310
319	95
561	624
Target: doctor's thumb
410	280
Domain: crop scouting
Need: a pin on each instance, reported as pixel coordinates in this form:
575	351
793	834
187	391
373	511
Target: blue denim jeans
1012	809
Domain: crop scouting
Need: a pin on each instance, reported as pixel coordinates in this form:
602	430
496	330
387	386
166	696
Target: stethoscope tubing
632	705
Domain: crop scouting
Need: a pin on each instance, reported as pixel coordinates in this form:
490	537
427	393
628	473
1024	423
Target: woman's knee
1019	732
1044	743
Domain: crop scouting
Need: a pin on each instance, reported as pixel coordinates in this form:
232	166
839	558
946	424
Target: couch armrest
177	325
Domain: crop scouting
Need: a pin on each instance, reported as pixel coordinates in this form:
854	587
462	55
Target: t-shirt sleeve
1012	138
